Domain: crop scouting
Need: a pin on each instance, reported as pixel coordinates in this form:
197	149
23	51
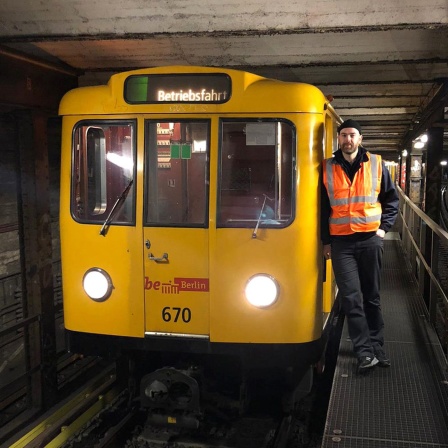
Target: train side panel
288	254
119	252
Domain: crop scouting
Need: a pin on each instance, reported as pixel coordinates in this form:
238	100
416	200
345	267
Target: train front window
256	173
103	168
176	173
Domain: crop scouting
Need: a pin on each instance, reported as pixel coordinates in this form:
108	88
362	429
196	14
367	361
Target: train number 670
175	313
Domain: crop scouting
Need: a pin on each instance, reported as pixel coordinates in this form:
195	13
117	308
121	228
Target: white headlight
97	284
262	290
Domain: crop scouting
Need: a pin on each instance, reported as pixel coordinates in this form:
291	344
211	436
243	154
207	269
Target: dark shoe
366	362
383	360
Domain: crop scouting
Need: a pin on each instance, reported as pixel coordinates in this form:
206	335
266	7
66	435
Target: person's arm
388	198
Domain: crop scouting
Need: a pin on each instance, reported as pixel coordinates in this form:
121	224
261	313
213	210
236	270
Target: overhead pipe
14	54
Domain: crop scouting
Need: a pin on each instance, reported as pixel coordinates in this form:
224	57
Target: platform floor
405	405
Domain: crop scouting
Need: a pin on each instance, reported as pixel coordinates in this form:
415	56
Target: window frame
100	124
147	161
293	172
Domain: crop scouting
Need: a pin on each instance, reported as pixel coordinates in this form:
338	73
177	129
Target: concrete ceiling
381	61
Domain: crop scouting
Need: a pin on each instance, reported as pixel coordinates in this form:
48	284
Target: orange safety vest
354	205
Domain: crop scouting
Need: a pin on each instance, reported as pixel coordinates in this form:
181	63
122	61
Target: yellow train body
188	281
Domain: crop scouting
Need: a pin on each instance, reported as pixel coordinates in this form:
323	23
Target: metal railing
425	244
16	373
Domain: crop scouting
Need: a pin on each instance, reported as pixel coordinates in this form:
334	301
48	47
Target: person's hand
327	251
381	233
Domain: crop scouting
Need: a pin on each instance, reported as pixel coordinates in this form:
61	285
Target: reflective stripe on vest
354	205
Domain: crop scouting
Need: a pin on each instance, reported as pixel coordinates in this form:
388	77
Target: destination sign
214	88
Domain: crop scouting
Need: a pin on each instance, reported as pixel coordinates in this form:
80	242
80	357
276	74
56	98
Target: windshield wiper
254	233
115	208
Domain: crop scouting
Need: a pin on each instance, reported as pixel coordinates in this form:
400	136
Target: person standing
359	205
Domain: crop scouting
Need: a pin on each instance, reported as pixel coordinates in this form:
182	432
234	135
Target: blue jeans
357	270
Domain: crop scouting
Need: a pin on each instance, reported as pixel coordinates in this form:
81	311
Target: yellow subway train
189	221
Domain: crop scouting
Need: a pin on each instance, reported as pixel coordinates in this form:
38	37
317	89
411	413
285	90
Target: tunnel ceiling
382	62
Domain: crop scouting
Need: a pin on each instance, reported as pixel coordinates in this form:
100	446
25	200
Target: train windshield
256	174
103	163
177	173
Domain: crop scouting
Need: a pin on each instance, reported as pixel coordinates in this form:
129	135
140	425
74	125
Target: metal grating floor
405	405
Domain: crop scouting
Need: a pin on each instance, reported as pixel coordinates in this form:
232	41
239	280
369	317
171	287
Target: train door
176	227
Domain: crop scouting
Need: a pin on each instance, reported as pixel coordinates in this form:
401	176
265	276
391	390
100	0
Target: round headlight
262	290
97	284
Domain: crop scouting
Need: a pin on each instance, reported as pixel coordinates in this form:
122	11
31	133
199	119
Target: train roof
249	93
